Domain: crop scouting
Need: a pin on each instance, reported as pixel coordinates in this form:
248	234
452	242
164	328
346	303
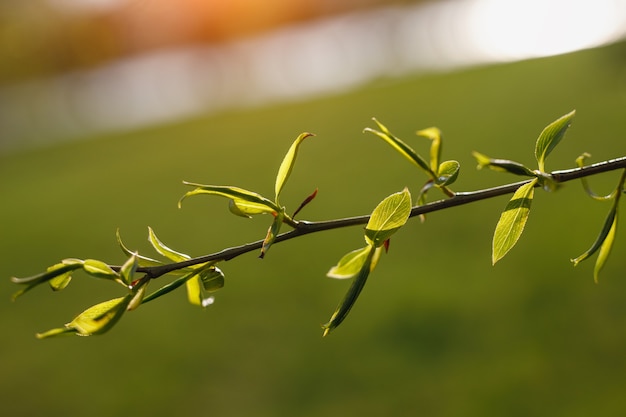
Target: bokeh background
438	331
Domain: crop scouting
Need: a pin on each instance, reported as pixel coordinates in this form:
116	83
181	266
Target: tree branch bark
461	198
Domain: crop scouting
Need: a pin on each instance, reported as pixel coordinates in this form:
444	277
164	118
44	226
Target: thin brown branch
304	227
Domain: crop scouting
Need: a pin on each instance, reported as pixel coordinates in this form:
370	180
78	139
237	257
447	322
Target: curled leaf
127	271
287	164
247	209
232	193
433	134
272	232
99	269
447	173
141	260
201	285
160	247
512	221
404	149
502	165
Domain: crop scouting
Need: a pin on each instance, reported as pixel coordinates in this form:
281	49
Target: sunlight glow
507	30
301	61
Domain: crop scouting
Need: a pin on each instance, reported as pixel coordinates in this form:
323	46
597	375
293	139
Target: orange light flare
154	23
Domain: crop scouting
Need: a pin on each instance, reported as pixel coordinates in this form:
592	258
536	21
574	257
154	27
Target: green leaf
433	134
247	209
60	282
272	232
448	173
404	149
390	215
286	165
57	270
212	279
502	165
142	260
233	193
608	227
342	310
138	296
97	319
512	221
127	271
200	287
550	137
169	253
169	287
605	250
99	269
350	264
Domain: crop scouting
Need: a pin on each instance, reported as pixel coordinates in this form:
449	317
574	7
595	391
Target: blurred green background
437	331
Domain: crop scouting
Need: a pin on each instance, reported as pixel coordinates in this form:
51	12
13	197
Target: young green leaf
433	134
512	221
272	232
99	269
169	253
351	296
388	216
61	271
608	228
550	137
201	285
95	320
138	296
60	282
128	269
247	209
502	165
286	165
350	264
447	173
605	250
169	287
142	260
404	149
232	193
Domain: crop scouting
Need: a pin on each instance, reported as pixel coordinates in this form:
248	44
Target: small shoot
388	216
513	219
286	166
245	203
606	237
440	175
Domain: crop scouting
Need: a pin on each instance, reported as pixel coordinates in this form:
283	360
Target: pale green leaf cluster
201	282
440	174
247	203
515	215
387	218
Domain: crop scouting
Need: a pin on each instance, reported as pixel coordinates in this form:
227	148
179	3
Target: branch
304	227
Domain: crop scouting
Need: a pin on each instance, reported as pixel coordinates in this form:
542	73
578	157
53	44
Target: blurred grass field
437	331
